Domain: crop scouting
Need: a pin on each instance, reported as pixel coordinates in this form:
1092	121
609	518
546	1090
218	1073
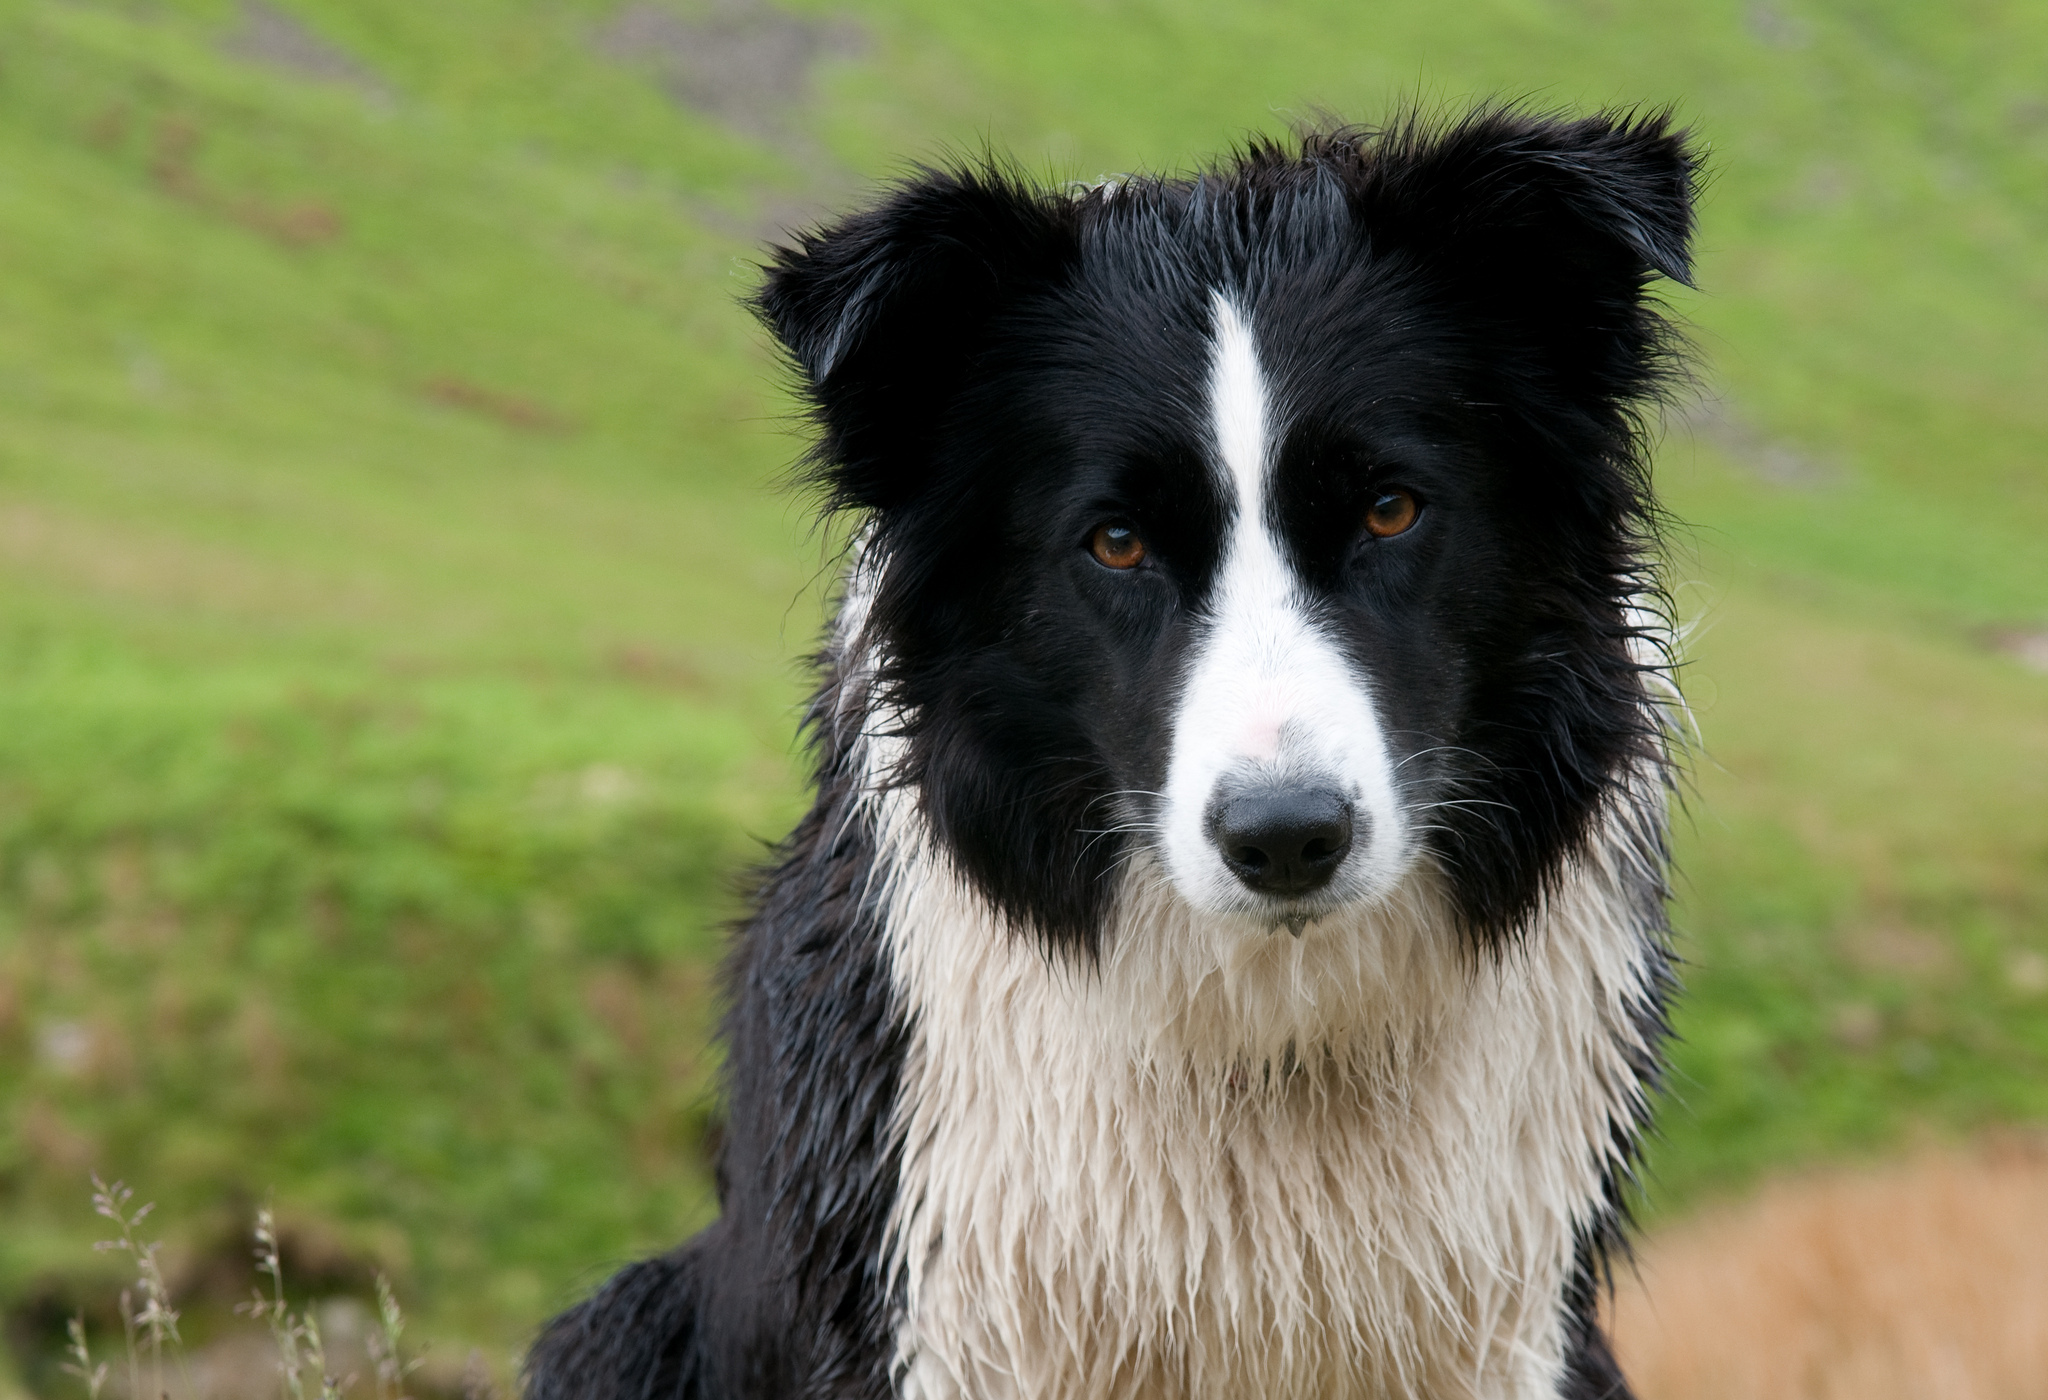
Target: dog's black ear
886	312
1551	229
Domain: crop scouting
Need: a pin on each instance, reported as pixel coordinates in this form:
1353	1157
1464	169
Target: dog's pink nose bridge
1260	737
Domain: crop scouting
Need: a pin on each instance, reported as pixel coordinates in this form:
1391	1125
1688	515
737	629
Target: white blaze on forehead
1269	694
1237	395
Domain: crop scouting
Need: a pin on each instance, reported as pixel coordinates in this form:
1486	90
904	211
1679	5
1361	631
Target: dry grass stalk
155	1321
299	1345
299	1352
81	1364
1927	1280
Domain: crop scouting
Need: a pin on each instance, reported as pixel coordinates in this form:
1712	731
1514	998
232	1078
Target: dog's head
1288	521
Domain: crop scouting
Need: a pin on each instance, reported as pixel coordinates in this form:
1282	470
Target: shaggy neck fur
1358	1163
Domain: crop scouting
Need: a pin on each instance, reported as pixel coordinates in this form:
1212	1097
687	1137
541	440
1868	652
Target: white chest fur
1230	1163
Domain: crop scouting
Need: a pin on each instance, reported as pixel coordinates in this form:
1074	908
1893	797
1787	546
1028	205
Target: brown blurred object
509	409
297	224
1925	1280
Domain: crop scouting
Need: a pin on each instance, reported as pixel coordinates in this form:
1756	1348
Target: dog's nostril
1284	841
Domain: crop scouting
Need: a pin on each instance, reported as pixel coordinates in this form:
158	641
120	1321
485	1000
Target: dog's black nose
1284	841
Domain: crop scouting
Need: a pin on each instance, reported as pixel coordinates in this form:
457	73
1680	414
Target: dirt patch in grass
748	66
742	62
513	410
276	39
1714	422
2028	646
302	223
1926	1280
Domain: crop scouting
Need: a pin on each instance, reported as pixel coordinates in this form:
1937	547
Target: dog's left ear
886	312
1551	229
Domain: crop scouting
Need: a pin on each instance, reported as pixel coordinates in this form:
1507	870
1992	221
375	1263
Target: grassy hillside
399	636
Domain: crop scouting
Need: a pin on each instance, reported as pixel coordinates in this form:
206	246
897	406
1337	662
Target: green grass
399	633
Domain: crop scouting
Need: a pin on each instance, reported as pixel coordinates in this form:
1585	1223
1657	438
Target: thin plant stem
81	1363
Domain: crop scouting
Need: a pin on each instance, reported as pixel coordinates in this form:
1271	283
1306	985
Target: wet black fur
1463	311
784	1295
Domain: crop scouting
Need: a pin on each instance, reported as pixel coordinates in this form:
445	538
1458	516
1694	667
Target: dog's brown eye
1391	513
1116	546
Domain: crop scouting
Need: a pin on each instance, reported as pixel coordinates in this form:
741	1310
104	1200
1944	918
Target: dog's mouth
1296	921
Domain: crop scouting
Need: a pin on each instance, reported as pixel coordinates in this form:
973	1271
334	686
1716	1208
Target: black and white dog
1226	957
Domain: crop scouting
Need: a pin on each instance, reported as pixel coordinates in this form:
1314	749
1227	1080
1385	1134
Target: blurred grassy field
399	637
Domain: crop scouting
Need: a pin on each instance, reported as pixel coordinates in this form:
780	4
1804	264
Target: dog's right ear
886	312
